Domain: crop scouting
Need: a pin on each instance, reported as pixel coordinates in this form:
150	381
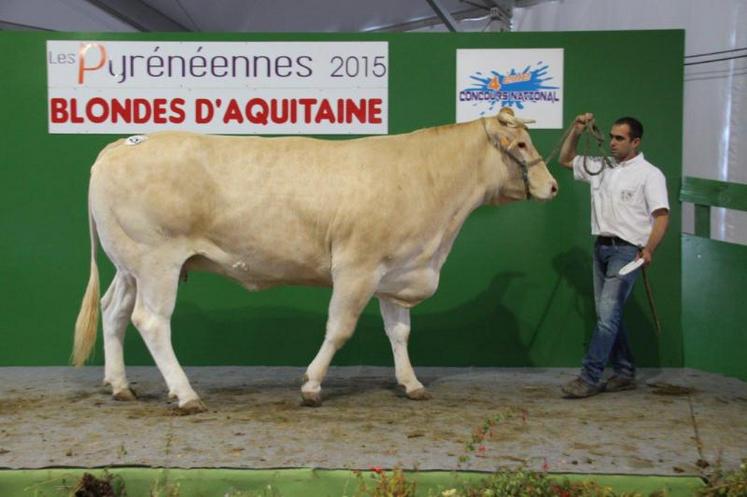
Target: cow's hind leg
350	295
156	295
397	325
117	305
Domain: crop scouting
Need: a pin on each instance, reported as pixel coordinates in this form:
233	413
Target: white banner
218	87
528	80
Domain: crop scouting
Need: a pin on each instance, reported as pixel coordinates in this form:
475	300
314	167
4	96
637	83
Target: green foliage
266	491
486	432
162	488
726	483
522	483
394	484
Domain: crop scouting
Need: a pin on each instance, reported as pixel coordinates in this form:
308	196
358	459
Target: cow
373	216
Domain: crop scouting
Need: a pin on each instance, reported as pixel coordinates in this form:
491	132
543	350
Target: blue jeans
609	341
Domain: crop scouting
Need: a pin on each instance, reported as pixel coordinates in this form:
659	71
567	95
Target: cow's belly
256	271
409	287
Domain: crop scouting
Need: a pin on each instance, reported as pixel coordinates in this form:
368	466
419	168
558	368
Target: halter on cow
506	116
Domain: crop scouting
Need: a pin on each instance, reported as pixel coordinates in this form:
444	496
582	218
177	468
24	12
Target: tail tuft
88	320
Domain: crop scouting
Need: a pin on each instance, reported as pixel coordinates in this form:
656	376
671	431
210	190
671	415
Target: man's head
625	138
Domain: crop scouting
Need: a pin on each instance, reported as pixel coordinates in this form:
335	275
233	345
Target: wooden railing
707	193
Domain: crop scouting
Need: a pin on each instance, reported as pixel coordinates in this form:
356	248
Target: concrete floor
51	417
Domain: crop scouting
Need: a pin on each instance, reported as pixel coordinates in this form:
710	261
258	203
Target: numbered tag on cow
135	140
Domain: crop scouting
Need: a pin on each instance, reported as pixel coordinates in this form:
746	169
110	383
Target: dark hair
636	128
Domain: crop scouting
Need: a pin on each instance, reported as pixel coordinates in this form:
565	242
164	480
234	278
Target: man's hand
647	256
568	148
581	120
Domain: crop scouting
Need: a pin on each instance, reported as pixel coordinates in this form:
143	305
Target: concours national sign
218	87
528	80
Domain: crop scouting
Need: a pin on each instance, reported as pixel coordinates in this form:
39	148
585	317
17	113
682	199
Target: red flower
377	469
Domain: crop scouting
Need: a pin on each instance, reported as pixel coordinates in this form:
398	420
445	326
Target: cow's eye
522	145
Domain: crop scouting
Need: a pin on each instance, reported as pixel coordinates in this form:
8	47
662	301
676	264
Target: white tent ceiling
257	15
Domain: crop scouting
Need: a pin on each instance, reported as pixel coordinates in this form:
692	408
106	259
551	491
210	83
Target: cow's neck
456	164
460	175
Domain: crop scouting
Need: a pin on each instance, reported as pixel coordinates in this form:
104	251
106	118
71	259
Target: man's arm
568	149
661	221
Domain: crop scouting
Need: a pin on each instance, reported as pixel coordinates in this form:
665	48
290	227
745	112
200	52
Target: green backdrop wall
515	291
713	313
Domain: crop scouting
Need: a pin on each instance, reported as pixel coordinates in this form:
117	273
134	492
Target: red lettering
178	114
257	116
233	113
121	110
91	111
340	110
203	111
325	112
84	47
358	112
374	111
279	111
141	111
159	111
74	117
58	110
307	103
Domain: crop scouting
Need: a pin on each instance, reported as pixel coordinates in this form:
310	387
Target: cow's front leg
117	306
397	326
350	294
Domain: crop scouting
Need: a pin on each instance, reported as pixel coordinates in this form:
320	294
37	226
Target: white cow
369	216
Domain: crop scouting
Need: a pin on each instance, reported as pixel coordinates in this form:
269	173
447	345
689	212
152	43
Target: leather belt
612	240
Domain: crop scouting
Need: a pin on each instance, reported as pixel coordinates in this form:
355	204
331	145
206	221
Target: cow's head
525	173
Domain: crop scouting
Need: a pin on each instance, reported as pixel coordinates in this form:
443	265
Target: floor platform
677	422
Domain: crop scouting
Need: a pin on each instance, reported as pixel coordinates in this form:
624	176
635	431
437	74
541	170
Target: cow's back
283	203
191	184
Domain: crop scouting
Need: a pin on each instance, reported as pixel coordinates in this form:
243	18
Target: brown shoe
618	383
578	389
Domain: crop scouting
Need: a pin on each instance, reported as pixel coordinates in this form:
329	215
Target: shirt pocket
629	195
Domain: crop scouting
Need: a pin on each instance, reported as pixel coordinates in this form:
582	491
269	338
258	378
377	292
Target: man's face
622	147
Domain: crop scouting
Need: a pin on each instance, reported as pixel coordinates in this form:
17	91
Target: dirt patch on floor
14	405
669	389
474	421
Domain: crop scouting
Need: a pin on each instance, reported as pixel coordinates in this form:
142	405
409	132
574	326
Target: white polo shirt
623	197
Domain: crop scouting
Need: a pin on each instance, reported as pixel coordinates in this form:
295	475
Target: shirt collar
634	160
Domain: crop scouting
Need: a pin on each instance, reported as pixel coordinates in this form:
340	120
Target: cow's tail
88	318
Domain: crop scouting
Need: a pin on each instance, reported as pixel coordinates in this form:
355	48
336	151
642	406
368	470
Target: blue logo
511	89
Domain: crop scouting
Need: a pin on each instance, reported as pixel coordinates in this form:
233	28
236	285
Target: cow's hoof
418	394
311	399
125	395
193	406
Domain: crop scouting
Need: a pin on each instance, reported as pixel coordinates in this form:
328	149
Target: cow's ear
505	116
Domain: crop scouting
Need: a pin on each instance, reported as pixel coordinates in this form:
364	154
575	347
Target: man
629	215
